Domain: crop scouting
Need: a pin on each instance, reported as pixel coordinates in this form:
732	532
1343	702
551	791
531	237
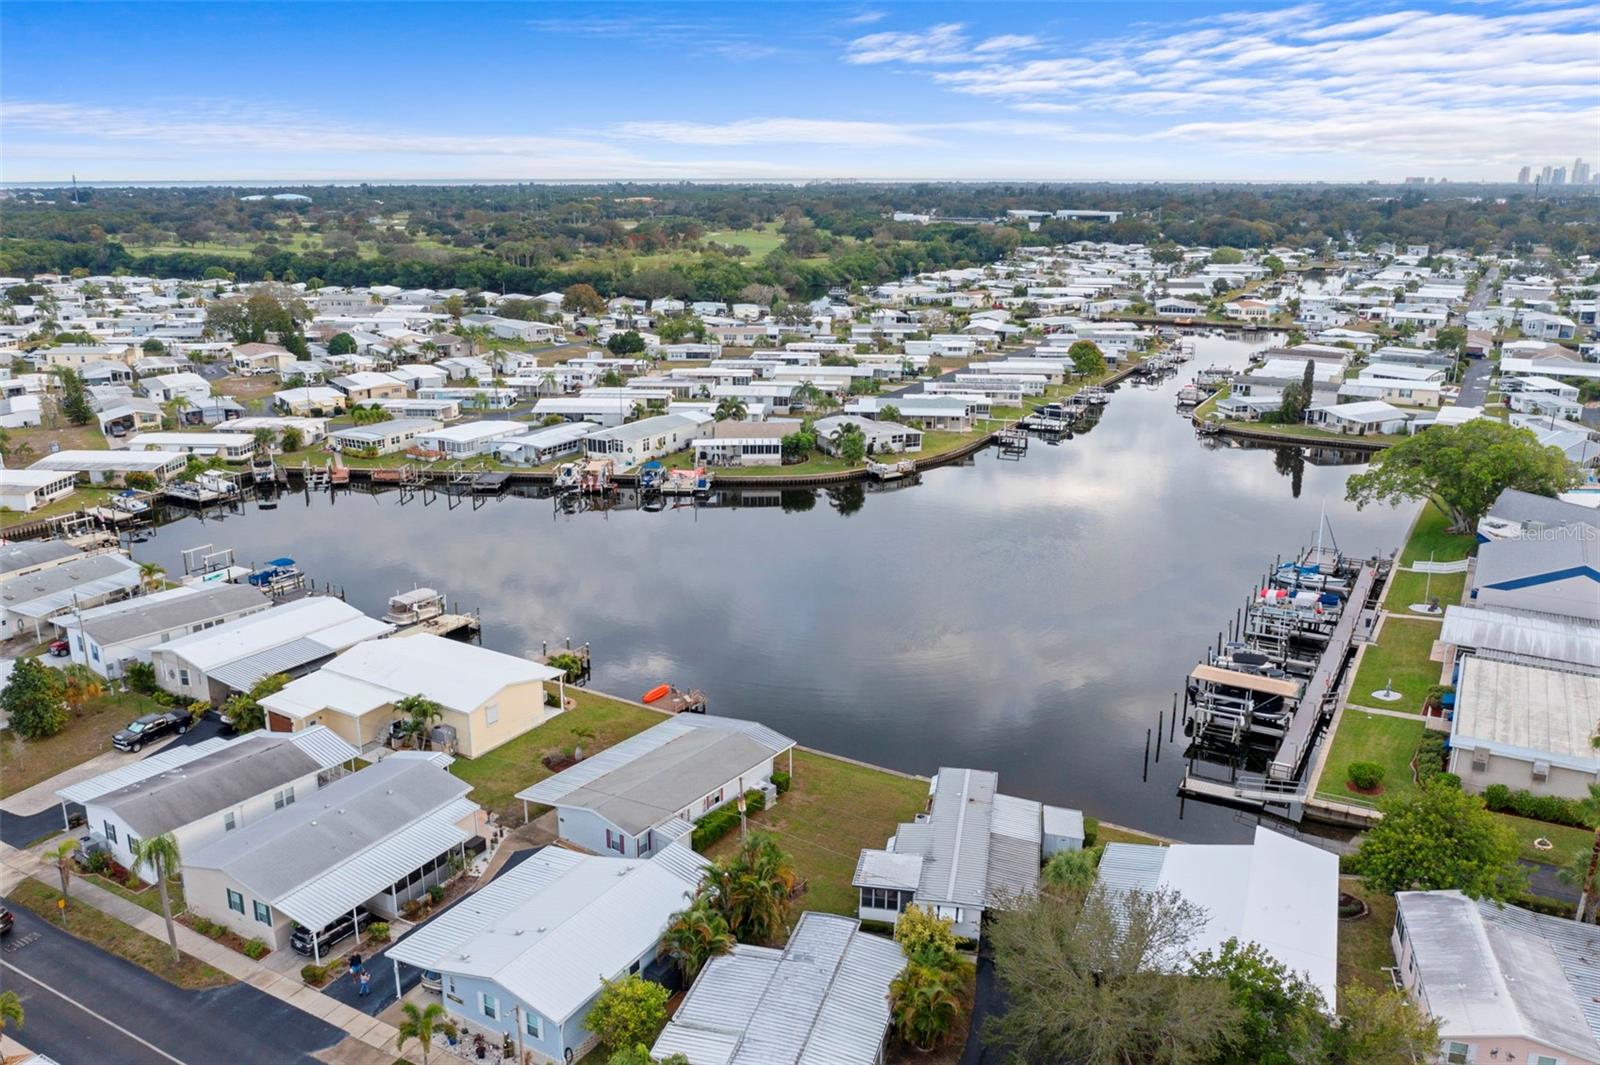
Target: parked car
59	649
152	727
432	980
334	932
6	920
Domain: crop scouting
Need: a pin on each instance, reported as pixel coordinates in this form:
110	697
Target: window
111	832
491	713
1543	1059
283	797
533	1025
1456	1053
235	901
183	677
488	1005
229	822
133	844
263	912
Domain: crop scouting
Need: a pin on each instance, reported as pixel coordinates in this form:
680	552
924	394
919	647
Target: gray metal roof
218	781
1553	572
1526	507
46	592
1131	866
1488	970
20	556
634	777
284	658
1523	634
300	843
660	783
165	612
824	1000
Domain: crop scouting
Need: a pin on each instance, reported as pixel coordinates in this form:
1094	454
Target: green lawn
1407	587
1399	658
81	499
832	811
1362	737
761	242
125	941
88	732
1568	841
497	776
149	898
1431	538
1364	948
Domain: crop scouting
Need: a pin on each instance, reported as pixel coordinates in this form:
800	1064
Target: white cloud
945	43
774	131
866	18
1506	84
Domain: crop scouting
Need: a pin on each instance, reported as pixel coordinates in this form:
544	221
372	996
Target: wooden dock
443	625
1321	691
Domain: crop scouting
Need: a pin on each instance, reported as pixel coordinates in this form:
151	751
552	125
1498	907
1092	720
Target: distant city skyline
790	91
1580	174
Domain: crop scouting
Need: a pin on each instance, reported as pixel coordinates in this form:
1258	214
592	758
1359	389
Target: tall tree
1090	980
1381	1028
696	935
1463	468
160	853
1282	1016
422	1024
61	857
582	299
1441	839
32	700
1087	359
12	1014
752	890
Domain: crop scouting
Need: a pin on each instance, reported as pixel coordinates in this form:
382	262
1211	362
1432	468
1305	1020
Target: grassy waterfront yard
1431	538
1363	737
1407	587
1566	839
1364	947
1400	658
833	809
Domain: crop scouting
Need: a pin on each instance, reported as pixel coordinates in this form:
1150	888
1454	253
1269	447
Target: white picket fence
1458	566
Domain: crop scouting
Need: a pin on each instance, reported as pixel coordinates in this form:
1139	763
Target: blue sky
1069	91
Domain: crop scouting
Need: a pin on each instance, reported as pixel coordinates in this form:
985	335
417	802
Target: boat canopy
1283	686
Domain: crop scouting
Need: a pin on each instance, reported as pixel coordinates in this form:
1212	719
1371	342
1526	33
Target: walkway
16	864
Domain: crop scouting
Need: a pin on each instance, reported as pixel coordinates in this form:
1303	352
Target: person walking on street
366	983
355	963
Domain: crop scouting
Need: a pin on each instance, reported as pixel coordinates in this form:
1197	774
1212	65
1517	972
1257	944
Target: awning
1283	686
375	869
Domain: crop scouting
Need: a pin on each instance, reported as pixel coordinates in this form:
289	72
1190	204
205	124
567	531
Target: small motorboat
129	503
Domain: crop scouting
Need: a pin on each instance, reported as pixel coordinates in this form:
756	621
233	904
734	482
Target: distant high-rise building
1558	176
1524	175
1544	175
1580	172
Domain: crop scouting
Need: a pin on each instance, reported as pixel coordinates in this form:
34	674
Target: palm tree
11	1013
925	1002
422	1025
1590	809
752	890
731	407
161	854
80	684
149	574
422	711
696	935
808	394
61	855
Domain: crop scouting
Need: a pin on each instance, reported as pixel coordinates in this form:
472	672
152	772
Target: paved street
1475	383
85	1007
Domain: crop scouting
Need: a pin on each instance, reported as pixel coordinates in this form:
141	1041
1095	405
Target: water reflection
1028	616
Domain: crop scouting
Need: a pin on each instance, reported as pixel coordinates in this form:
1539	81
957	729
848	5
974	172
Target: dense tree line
537	237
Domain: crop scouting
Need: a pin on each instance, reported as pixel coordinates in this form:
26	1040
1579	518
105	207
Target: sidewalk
15	864
37	798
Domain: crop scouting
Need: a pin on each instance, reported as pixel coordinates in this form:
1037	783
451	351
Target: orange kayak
660	691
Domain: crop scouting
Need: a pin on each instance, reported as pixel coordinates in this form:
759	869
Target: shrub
782	781
315	975
1551	808
256	949
378	931
724	819
920	929
99	862
1091	831
1435	697
1432	755
140	677
1365	775
628	1011
1449	780
436	894
568	663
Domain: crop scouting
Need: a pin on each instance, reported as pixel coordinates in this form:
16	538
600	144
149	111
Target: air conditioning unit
769	792
1480	760
1541	771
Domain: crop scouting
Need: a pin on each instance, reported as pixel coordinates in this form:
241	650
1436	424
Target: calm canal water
1029	616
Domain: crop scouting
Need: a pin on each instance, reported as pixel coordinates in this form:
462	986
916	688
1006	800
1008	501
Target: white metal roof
49	591
1489	971
549	929
886	869
284	623
1276	892
456	675
824	1000
1524	634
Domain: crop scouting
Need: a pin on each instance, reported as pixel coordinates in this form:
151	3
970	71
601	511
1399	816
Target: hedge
1551	808
724	819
